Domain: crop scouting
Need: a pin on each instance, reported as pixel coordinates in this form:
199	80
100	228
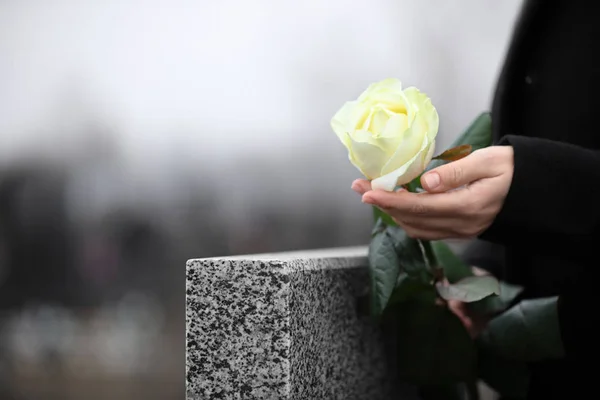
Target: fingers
361	186
436	228
460	310
418	204
478	165
430	216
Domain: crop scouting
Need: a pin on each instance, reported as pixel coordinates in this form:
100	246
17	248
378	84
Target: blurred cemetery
136	135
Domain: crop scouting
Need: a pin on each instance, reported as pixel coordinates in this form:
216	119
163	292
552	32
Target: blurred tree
37	241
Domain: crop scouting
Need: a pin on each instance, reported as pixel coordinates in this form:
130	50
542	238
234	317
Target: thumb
457	173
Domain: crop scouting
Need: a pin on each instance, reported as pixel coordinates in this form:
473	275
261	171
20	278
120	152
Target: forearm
554	193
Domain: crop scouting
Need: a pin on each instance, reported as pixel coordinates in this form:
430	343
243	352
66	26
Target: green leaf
472	288
414	185
409	288
385	218
478	134
509	292
454	268
428	345
410	254
384	268
495	304
455	153
527	332
378	227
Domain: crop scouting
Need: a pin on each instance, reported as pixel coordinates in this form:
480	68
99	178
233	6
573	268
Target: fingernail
432	180
367	200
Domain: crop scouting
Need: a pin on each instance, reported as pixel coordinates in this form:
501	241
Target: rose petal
392	135
387	85
378	120
433	122
407	172
413	141
368	158
388	131
387	145
425	109
395	127
339	122
347	118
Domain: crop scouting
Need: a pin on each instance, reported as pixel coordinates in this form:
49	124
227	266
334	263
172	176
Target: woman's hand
462	198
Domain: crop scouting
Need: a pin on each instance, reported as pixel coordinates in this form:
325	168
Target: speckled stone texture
284	326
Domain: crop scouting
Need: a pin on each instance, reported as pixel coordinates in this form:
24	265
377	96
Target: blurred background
135	135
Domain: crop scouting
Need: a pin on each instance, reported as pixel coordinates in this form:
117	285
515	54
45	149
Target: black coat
547	106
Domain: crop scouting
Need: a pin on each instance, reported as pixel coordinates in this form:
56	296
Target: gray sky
232	96
239	76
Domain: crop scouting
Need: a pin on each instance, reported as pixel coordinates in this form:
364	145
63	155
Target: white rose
389	133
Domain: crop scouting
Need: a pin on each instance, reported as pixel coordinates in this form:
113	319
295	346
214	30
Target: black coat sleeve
554	194
553	205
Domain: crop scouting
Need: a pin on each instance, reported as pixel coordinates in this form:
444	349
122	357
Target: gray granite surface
284	326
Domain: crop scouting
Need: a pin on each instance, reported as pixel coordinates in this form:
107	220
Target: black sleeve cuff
553	192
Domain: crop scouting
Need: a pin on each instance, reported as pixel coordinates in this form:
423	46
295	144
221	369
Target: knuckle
419	209
492	157
486	154
456	175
